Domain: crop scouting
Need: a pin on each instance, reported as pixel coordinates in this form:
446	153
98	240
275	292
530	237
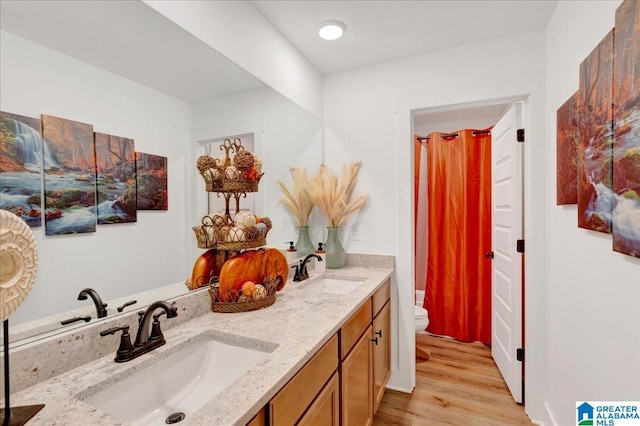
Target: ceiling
130	39
379	31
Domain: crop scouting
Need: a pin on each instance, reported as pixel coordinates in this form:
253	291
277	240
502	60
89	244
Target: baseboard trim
399	389
549	417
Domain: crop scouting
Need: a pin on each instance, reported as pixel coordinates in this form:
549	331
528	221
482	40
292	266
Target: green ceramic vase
304	246
336	256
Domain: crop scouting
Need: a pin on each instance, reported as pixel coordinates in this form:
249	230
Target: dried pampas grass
297	199
333	195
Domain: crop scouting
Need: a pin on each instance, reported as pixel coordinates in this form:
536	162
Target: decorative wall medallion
18	262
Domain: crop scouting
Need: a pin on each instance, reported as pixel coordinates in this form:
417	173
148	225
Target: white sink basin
334	285
182	382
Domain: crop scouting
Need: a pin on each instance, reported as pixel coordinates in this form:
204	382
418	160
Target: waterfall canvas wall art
566	153
626	153
70	185
151	172
116	179
595	146
21	155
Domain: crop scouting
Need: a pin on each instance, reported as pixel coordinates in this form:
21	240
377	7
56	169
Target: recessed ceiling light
332	30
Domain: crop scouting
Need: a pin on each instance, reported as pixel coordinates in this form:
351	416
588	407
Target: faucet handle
303	269
296	275
156	332
113	330
125	348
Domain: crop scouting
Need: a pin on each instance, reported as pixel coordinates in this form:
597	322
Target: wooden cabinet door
381	353
325	410
356	377
260	419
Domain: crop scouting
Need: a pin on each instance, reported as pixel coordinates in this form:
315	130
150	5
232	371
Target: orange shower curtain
458	287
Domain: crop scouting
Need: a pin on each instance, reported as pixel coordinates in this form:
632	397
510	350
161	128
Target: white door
506	273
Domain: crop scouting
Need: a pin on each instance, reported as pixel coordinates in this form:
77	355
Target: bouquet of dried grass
333	195
297	199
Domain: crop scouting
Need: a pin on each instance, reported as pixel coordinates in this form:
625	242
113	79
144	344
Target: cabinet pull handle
375	340
378	333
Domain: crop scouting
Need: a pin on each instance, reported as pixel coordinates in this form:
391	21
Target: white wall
285	136
116	260
240	32
368	114
594	293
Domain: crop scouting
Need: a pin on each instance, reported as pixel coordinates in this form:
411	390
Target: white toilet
421	319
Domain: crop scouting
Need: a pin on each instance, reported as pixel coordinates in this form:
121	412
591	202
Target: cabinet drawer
354	327
381	296
293	399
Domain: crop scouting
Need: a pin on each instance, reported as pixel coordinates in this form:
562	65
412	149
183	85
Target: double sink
181	381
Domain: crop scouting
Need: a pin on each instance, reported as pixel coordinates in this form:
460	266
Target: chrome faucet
101	308
301	273
146	340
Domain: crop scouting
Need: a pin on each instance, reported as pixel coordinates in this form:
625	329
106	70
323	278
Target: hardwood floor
459	385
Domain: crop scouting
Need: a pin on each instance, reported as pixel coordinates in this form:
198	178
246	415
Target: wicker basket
217	305
220	233
222	184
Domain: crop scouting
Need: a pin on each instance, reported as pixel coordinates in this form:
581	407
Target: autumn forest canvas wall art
61	171
152	182
21	166
606	111
595	138
116	179
70	185
626	148
567	152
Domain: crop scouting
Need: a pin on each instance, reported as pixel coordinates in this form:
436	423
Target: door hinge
520	354
520	246
520	135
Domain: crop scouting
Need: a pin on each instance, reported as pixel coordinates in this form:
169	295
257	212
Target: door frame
522	112
488	91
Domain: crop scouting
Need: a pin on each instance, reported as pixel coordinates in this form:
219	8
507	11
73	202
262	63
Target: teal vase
336	256
304	246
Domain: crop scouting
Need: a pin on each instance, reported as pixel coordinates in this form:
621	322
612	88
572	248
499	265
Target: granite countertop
297	325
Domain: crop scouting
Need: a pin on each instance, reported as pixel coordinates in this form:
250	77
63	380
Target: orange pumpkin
254	266
204	266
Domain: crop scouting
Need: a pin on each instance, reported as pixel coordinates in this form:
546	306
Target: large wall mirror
130	72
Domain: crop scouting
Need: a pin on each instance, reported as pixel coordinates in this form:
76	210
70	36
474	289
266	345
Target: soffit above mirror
130	39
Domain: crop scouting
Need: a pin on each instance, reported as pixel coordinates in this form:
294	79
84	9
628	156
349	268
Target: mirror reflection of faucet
129	303
76	319
101	308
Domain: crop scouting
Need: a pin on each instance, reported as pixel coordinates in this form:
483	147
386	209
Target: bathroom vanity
317	350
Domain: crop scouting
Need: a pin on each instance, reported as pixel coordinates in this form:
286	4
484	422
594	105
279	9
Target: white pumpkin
244	218
236	233
231	172
260	292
